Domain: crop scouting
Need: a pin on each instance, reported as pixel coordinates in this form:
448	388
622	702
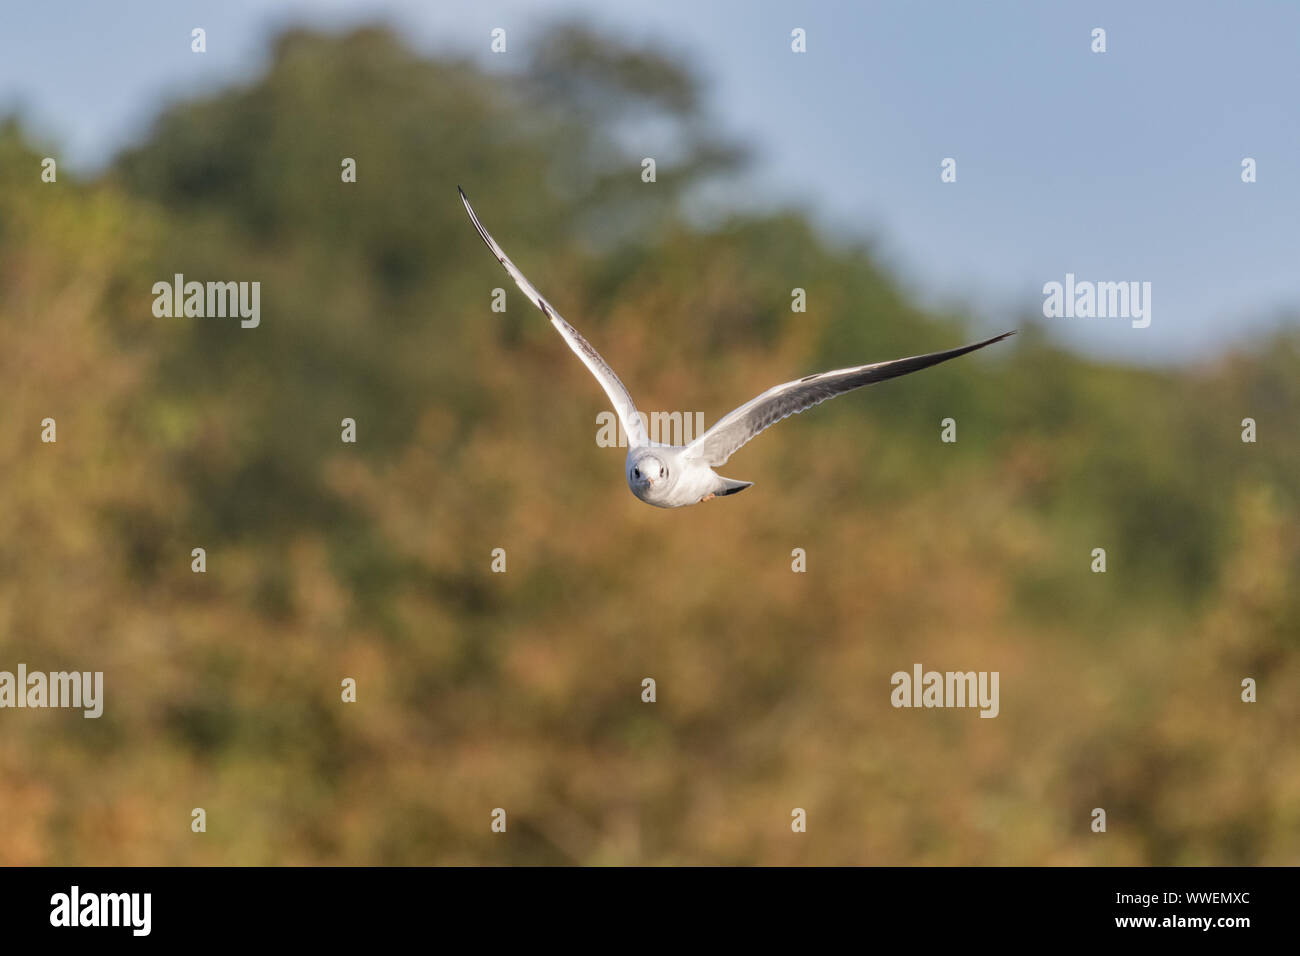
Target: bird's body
666	476
672	476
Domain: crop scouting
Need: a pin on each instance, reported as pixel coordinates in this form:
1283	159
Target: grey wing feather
617	392
737	427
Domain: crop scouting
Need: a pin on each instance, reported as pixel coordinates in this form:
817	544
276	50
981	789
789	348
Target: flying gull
672	476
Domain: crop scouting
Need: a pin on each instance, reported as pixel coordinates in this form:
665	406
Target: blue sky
1117	166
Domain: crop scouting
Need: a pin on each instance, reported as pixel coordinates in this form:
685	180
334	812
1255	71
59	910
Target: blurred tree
475	430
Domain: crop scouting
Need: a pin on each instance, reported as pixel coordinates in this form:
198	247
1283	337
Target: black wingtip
984	344
996	338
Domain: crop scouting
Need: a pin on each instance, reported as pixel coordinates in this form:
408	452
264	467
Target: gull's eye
636	472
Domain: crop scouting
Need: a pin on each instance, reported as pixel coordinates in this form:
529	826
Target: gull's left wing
618	395
740	425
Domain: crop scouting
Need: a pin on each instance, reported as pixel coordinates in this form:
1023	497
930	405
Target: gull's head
648	472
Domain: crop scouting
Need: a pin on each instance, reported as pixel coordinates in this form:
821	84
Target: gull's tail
730	486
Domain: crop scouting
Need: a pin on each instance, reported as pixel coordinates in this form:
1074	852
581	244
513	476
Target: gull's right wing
623	405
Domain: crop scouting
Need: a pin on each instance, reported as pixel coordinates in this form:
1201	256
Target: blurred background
476	430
